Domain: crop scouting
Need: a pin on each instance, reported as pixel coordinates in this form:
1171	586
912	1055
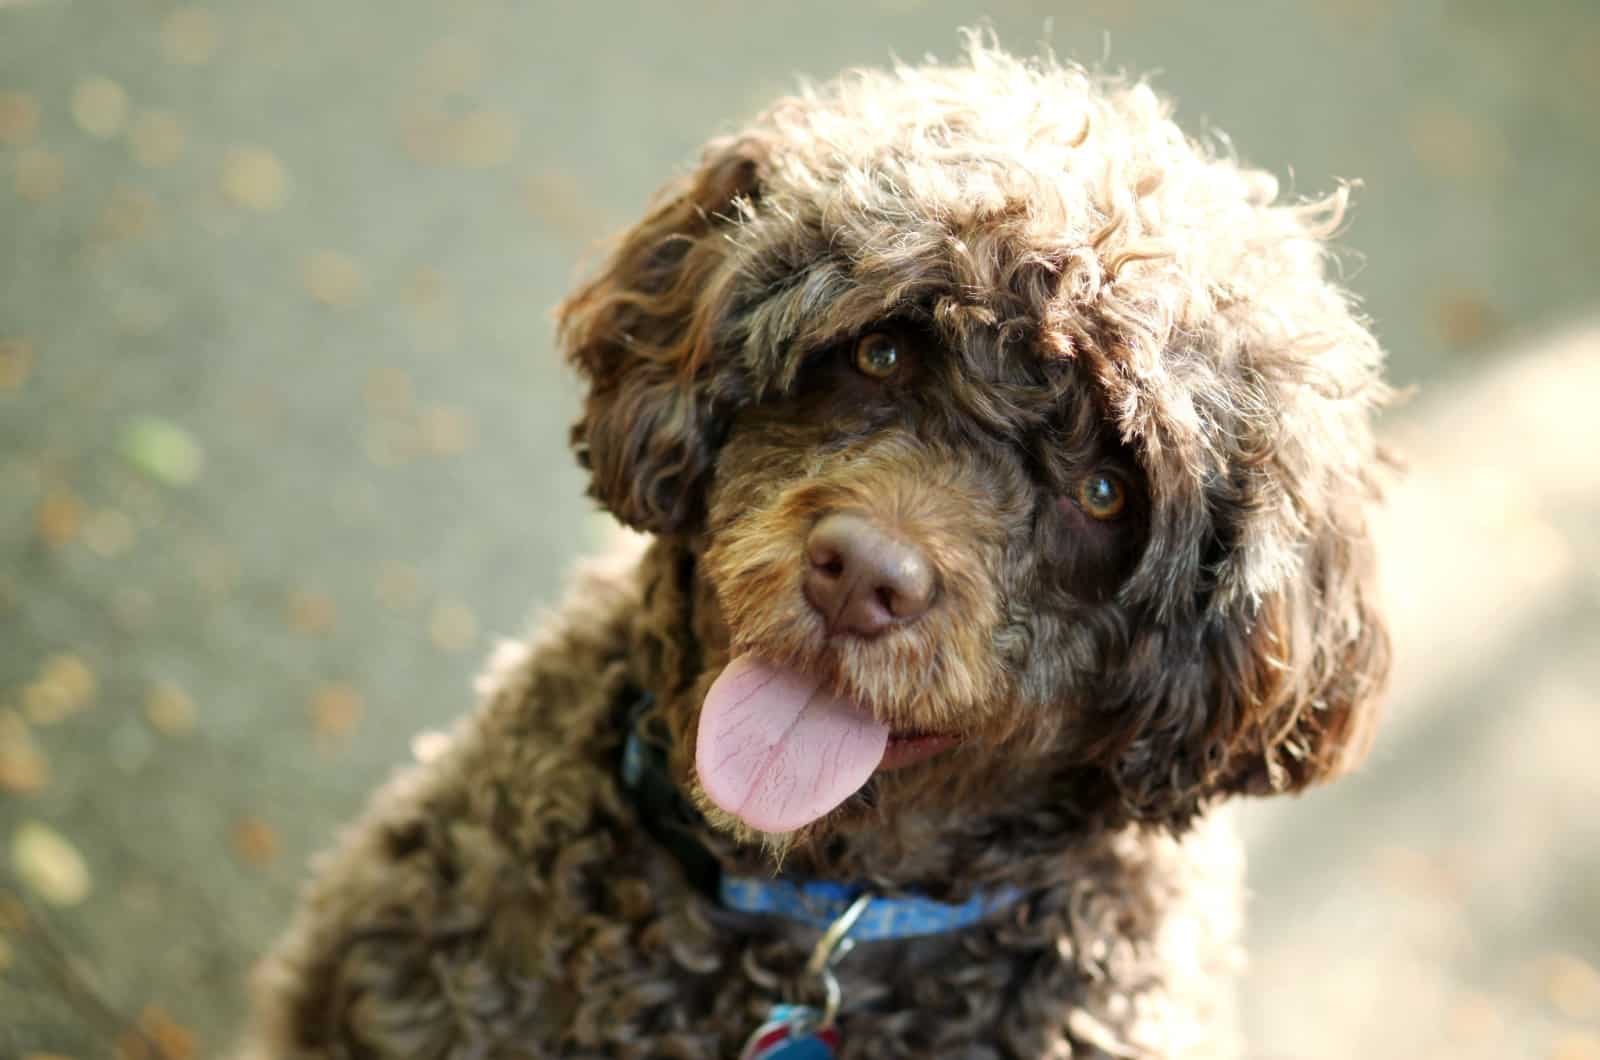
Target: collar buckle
834	945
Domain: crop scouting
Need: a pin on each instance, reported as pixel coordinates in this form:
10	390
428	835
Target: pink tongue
777	751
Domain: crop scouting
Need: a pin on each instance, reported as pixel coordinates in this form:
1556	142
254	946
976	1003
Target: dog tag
792	1032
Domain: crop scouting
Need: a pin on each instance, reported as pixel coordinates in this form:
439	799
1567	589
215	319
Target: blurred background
282	449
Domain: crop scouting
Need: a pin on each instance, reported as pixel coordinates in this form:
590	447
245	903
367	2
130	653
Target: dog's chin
776	846
874	806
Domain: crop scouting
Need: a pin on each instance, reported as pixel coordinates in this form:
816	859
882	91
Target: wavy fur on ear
1261	653
1320	652
640	332
1271	697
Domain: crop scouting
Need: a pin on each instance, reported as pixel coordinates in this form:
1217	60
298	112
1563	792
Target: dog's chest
650	968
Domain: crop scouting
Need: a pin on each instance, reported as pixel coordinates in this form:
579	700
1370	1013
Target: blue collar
816	903
819	903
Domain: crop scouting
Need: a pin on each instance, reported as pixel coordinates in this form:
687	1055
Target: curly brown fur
1072	287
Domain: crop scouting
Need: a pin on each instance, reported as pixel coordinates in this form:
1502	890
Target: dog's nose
862	580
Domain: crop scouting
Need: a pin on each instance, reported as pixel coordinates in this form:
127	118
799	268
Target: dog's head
1023	443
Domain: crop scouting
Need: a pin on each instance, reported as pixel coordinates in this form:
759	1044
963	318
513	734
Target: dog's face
927	533
1023	448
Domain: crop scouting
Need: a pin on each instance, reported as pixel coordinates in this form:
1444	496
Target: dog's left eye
877	356
1101	495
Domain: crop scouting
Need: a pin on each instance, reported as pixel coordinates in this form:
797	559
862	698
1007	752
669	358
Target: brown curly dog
1007	460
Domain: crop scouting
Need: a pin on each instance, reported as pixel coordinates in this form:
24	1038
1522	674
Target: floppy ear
1274	697
1307	678
641	335
1272	693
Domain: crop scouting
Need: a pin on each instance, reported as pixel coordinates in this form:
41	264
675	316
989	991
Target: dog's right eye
877	355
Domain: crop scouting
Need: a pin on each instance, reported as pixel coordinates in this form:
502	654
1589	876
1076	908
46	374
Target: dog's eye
1101	495
877	356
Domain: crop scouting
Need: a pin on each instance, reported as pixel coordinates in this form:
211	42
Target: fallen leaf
19	119
1465	319
484	139
398	587
64	687
169	709
335	709
48	864
108	532
100	107
23	768
447	430
1454	145
40	174
311	612
71	673
16	362
425	292
253	177
163	450
255	842
333	279
189	36
129	213
58	517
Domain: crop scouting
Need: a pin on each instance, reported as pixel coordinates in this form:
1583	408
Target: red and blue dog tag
792	1032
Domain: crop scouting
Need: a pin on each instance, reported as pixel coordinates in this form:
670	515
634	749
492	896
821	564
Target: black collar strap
664	813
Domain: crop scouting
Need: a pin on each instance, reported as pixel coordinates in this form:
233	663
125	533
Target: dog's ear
642	335
1267	694
1301	685
1258	652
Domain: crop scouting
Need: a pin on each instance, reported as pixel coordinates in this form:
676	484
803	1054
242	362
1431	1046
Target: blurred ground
282	443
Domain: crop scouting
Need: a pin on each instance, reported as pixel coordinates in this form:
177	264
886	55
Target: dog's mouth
908	747
778	749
